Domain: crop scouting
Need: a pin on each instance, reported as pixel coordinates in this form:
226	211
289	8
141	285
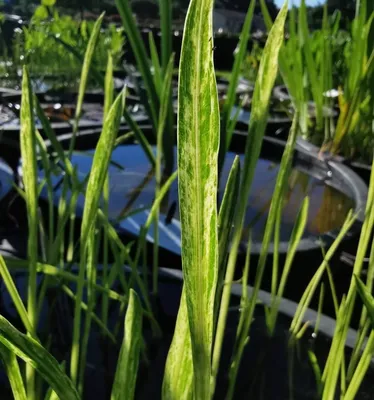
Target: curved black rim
308	160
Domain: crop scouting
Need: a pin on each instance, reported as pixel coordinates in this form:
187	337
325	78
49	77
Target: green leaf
164	108
257	124
28	154
108	86
30	181
94	189
140	137
166	33
48	3
85	74
100	165
296	236
198	143
96	74
157	72
137	46
366	297
128	361
234	78
13	372
178	374
41	12
313	284
13	292
313	75
227	212
242	330
225	224
30	351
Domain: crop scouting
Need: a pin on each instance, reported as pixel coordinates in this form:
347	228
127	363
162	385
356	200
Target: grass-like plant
43	53
210	235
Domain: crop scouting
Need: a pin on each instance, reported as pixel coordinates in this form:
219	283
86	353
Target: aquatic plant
210	242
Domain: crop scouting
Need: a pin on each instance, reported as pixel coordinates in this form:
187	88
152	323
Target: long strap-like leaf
13	372
260	106
93	193
178	374
198	142
28	154
140	54
30	351
127	367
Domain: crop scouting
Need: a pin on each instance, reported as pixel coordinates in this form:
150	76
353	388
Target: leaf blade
198	143
127	367
30	351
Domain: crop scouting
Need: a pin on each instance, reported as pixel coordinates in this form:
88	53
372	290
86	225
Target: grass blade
95	185
13	292
139	135
260	106
85	74
96	74
87	65
164	108
225	223
13	372
128	361
137	46
242	332
157	72
30	351
366	297
166	20
28	154
314	78
234	78
361	369
108	86
178	375
313	284
198	143
297	233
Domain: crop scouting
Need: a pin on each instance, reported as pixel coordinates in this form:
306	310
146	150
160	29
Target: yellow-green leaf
198	143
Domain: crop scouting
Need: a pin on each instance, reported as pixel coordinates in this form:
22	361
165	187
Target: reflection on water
132	186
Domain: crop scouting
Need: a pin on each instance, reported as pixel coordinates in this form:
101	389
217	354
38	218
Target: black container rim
326	324
343	178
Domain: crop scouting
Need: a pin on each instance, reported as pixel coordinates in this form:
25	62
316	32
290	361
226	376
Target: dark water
132	186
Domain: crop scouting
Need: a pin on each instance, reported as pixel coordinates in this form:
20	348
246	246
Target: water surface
132	187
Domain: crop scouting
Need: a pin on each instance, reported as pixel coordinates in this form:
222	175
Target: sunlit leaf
128	360
30	351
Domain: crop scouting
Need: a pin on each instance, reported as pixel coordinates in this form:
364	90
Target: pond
132	188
